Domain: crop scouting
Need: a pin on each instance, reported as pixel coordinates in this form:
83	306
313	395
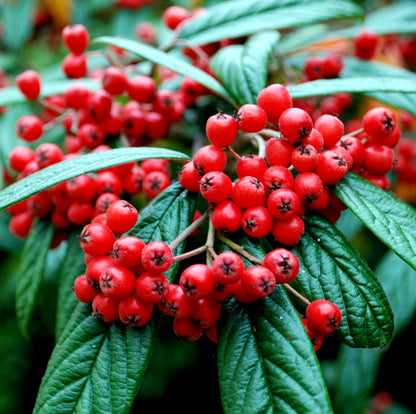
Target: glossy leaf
389	218
90	362
72	266
82	164
30	275
238	18
169	61
111	358
243	69
357	369
258	344
331	268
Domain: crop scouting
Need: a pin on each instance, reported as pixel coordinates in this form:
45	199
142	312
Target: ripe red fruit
276	177
134	312
47	154
295	124
173	16
133	180
323	316
365	44
74	66
274	99
152	288
283	264
215	186
20	224
197	281
305	158
316	338
76	95
378	159
257	221
141	88
117	282
355	147
248	192
187	330
177	303
308	186
96	267
29	128
79	212
114	80
97	239
333	165
209	158
279	152
105	308
121	216
226	217
206	313
251	118
154	183
252	165
221	129
258	281
283	204
99	105
127	251
379	122
19	157
227	267
91	135
84	292
29	83
188	177
288	232
331	128
75	38
157	257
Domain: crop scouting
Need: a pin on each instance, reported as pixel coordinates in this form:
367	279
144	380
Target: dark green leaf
72	266
357	368
244	17
83	164
11	95
169	61
257	348
389	218
331	268
360	85
110	359
243	68
95	367
258	344
31	273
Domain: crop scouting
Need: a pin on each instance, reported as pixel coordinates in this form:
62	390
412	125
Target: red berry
274	99
47	154
29	83
227	267
308	186
323	316
20	224
251	118
226	217
29	128
257	221
108	182
221	129
79	212
206	313
279	152
114	80
19	157
117	282
127	251
333	165
84	292
379	123
215	186
288	232
121	216
209	158
355	147
258	281
91	135
316	338
378	159
276	177
173	16
75	38
105	308
99	105
177	303
141	88
187	330
249	192
97	239
283	204
197	281
154	183
133	180
152	288
96	267
283	264
331	128
252	165
305	158
365	44
157	257
74	66
295	124
189	178
134	312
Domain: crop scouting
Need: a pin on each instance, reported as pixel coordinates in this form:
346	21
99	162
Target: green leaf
357	368
30	274
257	346
359	85
83	164
110	359
95	367
169	61
17	23
11	95
331	268
243	68
244	17
72	266
389	218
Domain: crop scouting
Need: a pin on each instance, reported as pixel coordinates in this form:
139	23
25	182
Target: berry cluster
302	160
124	280
77	201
